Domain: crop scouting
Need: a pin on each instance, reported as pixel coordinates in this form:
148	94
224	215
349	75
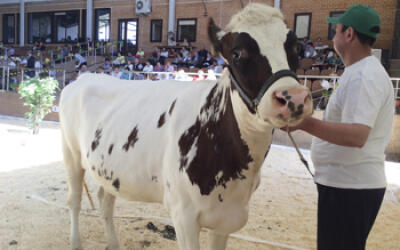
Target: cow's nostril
281	100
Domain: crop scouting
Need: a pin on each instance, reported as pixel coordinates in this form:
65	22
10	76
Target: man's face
339	39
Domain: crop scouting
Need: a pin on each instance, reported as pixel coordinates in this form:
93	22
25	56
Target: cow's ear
216	36
291	48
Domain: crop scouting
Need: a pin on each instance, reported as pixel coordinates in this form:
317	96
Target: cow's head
257	44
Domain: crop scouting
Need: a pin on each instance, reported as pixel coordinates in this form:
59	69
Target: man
30	64
349	143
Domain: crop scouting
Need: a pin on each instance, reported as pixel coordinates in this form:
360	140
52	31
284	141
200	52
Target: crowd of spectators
322	55
166	62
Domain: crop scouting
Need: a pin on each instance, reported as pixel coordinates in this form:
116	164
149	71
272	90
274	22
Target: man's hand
300	126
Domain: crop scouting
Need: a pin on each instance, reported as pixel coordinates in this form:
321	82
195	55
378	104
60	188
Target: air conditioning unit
143	6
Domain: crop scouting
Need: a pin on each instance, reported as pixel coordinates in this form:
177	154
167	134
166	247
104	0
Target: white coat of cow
195	147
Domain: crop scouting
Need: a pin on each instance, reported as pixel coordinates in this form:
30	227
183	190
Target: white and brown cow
195	147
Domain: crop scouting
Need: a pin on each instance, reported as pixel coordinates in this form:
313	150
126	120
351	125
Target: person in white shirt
80	59
148	68
164	53
116	72
349	143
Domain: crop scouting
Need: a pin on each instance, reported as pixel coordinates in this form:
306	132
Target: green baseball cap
361	18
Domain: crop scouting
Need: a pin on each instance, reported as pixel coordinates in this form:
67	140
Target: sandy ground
33	212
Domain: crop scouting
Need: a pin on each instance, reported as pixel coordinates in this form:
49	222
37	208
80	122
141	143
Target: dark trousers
346	216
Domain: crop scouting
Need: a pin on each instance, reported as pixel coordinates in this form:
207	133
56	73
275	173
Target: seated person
195	61
158	67
148	67
107	65
172	53
208	61
319	46
178	60
310	51
140	53
185	52
116	73
137	66
126	75
130	57
120	60
164	52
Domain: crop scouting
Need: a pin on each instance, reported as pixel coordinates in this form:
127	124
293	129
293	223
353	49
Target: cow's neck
256	133
216	150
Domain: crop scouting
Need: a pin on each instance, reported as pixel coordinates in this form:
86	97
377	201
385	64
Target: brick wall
12	105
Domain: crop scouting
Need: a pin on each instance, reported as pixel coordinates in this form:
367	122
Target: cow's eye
236	56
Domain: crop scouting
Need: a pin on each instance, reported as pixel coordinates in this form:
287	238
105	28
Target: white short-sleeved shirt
365	96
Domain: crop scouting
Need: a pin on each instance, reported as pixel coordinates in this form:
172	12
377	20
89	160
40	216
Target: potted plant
39	95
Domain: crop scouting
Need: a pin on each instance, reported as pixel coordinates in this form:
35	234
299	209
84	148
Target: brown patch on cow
220	198
110	149
154	178
96	141
116	184
132	139
219	146
161	121
172	107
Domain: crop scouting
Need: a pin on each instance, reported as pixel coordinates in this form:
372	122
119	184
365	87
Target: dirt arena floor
33	192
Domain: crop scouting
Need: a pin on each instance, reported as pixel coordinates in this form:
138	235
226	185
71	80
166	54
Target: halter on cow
195	147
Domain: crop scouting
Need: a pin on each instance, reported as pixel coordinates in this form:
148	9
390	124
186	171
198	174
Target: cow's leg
75	175
107	201
216	241
187	229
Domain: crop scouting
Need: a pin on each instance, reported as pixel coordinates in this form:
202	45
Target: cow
195	147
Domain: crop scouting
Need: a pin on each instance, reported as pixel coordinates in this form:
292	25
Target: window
83	23
18	28
67	26
102	24
53	27
156	31
186	29
302	25
332	26
8	28
39	25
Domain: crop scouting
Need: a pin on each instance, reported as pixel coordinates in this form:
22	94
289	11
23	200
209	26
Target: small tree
39	96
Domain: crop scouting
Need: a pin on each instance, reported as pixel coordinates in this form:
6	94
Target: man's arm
343	134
